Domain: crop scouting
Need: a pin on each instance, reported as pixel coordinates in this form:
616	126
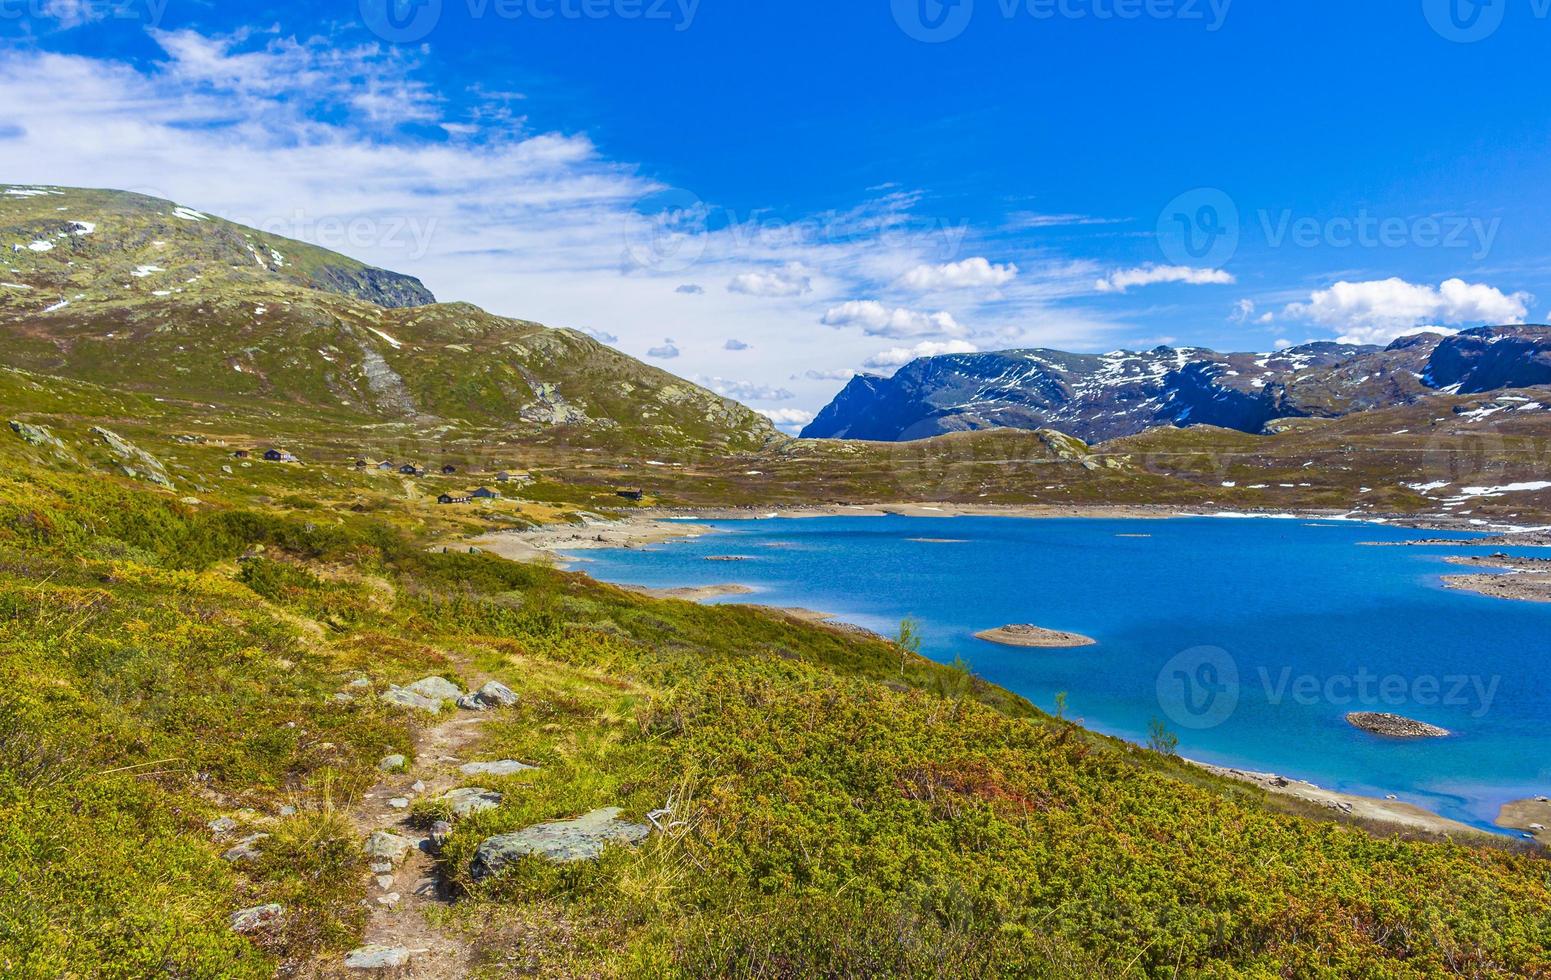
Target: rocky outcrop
562	841
377	957
1394	726
257	918
134	461
1034	636
37	435
462	803
506	767
392	290
1492	358
493	695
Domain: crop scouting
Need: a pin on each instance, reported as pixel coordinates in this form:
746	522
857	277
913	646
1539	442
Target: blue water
1296	609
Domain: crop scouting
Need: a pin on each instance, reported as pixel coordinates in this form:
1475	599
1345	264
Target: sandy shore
1384	811
692	593
1530	816
543	544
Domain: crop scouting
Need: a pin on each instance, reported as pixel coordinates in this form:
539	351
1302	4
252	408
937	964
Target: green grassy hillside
834	805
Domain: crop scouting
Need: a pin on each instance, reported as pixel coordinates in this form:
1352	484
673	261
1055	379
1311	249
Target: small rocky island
1394	726
1034	636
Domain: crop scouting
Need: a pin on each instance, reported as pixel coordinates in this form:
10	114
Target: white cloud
967	274
666	351
690	289
1149	275
786	417
735	344
745	391
897	356
1378	311
839	374
602	335
789	281
878	320
1244	312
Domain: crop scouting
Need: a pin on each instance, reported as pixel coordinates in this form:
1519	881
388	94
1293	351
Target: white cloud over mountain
1378	311
899	356
878	320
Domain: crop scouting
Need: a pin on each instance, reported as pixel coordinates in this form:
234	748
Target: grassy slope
847	809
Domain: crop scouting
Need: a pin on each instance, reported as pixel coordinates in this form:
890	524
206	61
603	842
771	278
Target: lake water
1250	639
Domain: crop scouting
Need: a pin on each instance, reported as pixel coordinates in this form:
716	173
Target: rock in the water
377	957
1022	635
388	847
405	698
392	763
467	802
582	839
436	688
506	767
257	918
245	849
1394	726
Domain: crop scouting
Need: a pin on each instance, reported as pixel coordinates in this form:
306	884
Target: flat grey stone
436	688
405	698
221	826
497	695
377	957
506	767
467	802
399	803
245	849
256	918
384	846
392	763
561	841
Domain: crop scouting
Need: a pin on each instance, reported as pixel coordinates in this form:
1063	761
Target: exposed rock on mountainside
145	295
1101	397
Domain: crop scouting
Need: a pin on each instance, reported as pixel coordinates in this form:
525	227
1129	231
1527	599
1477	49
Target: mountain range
1098	397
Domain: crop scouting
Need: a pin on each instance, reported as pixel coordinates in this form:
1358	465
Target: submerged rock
561	841
1394	726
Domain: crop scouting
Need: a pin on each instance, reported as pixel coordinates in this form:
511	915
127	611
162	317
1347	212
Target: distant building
485	493
241	454
385	465
503	477
360	464
448	498
449	470
274	455
632	494
408	469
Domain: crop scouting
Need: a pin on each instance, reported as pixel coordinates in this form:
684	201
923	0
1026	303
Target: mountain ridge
1098	397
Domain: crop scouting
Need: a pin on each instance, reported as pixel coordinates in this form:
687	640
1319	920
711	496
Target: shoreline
657	525
640	529
1396	812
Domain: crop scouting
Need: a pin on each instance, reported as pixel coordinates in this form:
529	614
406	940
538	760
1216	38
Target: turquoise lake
1250	639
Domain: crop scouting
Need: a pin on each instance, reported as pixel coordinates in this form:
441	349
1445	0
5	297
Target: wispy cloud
1151	275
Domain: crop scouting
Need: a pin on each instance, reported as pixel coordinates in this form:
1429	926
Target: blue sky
765	197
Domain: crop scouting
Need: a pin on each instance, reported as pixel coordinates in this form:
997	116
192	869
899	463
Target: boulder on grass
561	841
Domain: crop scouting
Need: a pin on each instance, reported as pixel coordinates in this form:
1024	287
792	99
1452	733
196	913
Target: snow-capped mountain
1105	396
